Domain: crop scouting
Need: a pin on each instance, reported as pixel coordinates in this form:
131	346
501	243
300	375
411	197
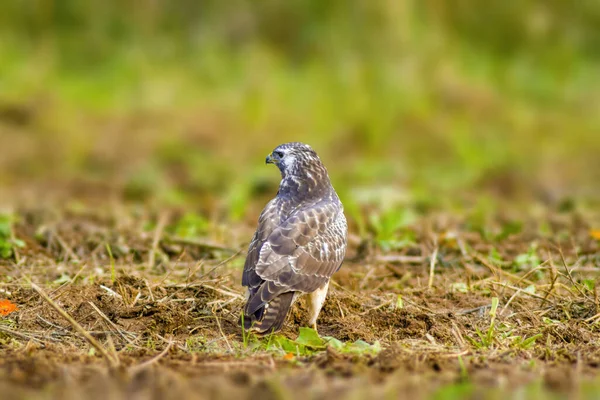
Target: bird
300	242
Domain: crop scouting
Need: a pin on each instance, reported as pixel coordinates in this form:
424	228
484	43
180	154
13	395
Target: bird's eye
279	154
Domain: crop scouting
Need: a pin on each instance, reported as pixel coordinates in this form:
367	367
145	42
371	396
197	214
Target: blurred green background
422	101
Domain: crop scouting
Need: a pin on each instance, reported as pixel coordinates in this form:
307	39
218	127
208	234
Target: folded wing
298	255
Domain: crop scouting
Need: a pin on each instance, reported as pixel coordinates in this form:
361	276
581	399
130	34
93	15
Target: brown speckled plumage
300	240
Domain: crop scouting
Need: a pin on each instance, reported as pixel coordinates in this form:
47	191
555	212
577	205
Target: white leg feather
316	300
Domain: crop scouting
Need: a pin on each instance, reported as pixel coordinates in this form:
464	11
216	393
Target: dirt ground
164	310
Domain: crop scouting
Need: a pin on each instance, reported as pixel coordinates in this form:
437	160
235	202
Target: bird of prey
299	243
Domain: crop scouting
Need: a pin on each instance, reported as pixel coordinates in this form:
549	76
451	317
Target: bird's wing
267	222
302	253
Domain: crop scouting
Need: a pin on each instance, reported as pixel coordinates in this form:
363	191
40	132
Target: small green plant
461	390
356	347
250	340
309	342
508	229
527	260
200	344
525	343
495	257
486	339
391	228
190	225
399	302
459	287
464	373
150	343
589	284
550	321
8	242
113	272
244	333
195	343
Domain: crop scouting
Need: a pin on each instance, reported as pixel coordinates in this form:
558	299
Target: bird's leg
315	303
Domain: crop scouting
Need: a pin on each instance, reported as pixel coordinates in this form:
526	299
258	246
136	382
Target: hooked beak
270	159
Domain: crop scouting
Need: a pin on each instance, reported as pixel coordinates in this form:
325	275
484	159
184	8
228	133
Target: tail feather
269	318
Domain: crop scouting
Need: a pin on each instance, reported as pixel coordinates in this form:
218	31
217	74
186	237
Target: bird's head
295	159
303	176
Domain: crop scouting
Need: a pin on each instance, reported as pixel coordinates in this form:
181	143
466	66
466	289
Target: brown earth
168	312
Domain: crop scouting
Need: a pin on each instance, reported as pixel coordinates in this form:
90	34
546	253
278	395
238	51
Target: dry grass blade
222	263
112	362
217	319
15	249
570	276
68	250
111	324
140	367
450	355
70	281
593	318
199	243
20	335
399	259
432	267
521	290
223	292
162	222
111	292
189	284
475	310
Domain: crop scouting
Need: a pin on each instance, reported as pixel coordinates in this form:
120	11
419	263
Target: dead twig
377	307
15	249
112	362
204	244
570	277
160	226
140	367
554	276
226	365
70	281
512	298
499	271
111	292
20	335
450	355
458	335
537	296
187	285
429	310
66	247
474	310
593	319
111	324
217	319
149	290
432	263
220	264
55	326
399	259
